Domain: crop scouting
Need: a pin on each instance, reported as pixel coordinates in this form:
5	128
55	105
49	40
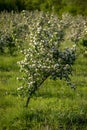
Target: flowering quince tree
44	56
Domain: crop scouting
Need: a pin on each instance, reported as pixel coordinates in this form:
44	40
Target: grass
55	106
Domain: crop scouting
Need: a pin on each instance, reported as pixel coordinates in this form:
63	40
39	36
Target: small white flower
19	88
17	78
74	46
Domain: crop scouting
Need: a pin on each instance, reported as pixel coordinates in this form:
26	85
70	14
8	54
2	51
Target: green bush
74	7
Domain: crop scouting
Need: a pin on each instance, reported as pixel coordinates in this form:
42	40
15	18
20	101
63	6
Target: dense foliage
12	32
58	6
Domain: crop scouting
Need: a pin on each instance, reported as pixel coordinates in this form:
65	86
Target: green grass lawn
55	106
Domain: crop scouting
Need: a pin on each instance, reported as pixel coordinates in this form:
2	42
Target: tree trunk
34	90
